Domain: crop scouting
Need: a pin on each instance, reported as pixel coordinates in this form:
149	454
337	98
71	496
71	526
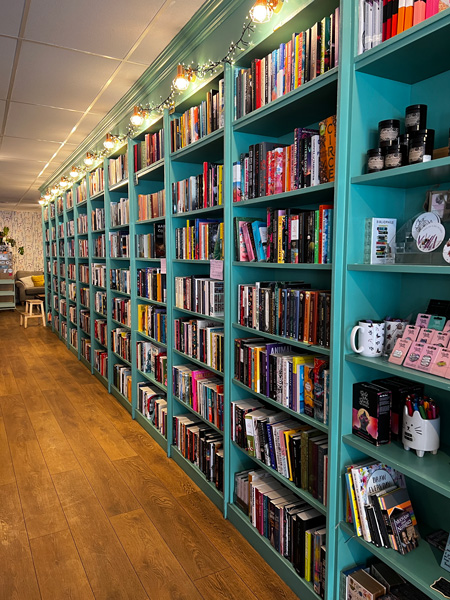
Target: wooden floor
90	506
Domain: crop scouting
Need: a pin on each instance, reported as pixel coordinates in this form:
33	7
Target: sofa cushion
33	291
27	281
38	280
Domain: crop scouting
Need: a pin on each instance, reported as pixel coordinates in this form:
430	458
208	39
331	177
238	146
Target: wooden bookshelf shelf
119	186
198	315
212	210
299	266
410	176
279	338
154	172
151	429
208	148
197	362
403	268
153	381
151	301
150	339
198	415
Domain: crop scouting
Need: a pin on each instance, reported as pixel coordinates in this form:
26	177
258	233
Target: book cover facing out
379	242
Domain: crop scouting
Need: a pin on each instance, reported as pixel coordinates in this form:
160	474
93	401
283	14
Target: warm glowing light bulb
109	142
181	81
47	195
55	190
64	183
89	160
41	201
261	11
74	172
137	118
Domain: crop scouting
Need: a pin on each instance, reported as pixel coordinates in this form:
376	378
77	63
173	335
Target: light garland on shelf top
261	12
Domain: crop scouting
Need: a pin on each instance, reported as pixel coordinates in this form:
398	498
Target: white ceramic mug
370	338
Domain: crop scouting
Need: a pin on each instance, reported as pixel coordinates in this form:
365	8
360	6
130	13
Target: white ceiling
63	65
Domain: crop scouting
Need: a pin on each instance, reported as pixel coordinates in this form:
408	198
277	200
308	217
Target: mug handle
353	339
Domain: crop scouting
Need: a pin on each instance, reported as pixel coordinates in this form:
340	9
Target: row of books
96	181
201	390
120	212
201	339
85	296
62	306
82	224
121	342
73	337
72	292
198	121
304	57
83	248
152	404
152	321
151	206
61	248
98	219
294	529
201	445
152	245
60	231
101	331
70	228
100	303
98	275
286	236
122	380
71	313
117	169
69	199
85	321
379	506
101	362
297	381
200	294
272	168
120	280
119	243
380	20
152	359
62	287
99	246
201	241
63	327
85	348
121	311
149	150
81	192
376	580
199	191
290	310
151	284
59	205
72	270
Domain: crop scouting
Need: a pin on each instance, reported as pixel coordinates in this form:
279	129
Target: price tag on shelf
163	266
216	269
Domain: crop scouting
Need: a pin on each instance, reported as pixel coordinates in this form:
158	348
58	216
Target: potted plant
8	241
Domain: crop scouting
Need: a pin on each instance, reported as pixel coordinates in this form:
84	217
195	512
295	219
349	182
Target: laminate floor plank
159	571
248	564
224	585
59	569
6	467
108	568
17	574
8	385
57	452
111	490
196	553
17	423
41	507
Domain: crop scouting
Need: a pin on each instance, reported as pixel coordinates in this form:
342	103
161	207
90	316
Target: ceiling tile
6	204
45	75
121	23
2	111
21	149
170	20
126	76
90	120
7	51
11	17
40	122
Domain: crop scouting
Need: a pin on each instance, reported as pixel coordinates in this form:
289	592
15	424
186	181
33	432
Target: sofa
26	292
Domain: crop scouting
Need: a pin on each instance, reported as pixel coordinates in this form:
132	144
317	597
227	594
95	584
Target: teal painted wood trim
433	172
150	339
280	565
186	406
301	197
198	315
284	340
110	323
100	377
133	215
44	258
207	487
152	380
121	398
282	266
401	268
151	430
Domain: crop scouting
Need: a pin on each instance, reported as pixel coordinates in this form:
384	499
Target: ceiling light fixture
183	78
109	142
137	117
263	10
41	201
74	172
89	159
55	189
64	183
47	195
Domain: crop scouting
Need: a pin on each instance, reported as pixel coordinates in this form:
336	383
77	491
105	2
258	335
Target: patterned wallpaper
25	227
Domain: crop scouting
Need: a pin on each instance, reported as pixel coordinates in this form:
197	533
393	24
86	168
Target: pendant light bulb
55	190
47	195
137	118
74	172
181	82
41	201
261	11
89	160
109	143
64	183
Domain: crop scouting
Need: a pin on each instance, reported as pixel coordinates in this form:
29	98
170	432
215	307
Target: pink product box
441	365
425	336
446	327
441	338
413	358
428	358
411	332
400	351
423	320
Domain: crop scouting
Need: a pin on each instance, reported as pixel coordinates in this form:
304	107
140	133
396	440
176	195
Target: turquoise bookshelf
362	90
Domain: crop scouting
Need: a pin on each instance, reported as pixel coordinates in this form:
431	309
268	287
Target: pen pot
421	435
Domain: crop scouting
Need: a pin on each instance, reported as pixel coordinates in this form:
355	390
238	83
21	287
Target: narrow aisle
90	506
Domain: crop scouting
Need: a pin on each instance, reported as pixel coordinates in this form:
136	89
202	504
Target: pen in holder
421	435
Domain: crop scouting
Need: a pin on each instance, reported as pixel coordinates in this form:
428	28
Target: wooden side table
30	314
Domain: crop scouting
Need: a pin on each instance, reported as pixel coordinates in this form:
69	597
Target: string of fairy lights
261	12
